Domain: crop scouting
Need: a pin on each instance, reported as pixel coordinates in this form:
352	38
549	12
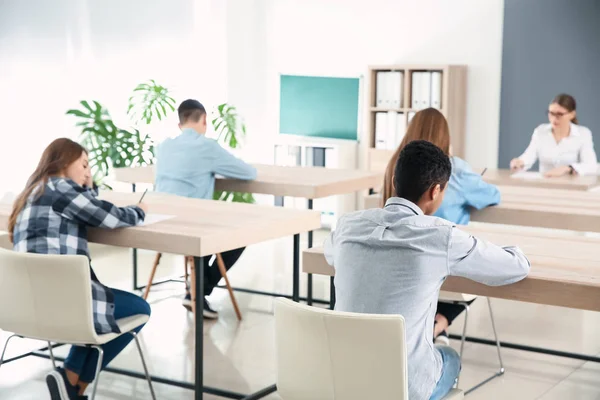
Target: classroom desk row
202	228
565	268
544	208
303	182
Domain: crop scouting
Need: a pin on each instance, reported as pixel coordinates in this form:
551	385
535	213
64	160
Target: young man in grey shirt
393	260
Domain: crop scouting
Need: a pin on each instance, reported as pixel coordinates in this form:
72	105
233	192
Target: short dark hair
190	110
420	166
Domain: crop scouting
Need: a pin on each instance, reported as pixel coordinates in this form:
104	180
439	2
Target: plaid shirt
56	223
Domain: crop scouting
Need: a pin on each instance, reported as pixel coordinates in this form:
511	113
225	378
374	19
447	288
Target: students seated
393	260
563	147
466	190
186	166
51	216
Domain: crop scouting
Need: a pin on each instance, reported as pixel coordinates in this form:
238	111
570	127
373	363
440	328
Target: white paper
155	218
527	175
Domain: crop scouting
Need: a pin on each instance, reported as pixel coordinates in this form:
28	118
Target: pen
485	169
142	198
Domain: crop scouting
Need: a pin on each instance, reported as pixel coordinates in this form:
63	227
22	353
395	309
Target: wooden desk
503	177
305	182
201	228
565	270
544	208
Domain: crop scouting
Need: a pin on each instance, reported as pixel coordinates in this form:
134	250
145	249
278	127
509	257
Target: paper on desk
154	218
527	175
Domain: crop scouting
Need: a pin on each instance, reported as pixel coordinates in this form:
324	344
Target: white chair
464	301
49	298
332	355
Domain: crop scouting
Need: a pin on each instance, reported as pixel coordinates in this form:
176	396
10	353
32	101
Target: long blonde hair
56	158
428	124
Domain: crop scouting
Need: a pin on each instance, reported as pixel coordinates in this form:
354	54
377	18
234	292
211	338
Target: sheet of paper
527	175
154	218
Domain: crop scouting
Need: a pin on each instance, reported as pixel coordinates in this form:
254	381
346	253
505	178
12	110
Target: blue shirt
466	189
187	165
393	260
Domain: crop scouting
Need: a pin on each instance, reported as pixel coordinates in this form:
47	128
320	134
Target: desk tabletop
305	182
504	177
565	268
199	227
544	208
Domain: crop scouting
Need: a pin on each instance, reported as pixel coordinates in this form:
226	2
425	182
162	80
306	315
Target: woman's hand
516	164
144	207
558	171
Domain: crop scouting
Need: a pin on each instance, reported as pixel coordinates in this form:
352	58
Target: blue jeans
450	371
83	360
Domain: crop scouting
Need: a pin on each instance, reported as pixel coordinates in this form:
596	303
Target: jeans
212	275
450	371
83	360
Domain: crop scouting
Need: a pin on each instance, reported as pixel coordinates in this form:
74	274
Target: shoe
187	301
442	339
208	312
59	386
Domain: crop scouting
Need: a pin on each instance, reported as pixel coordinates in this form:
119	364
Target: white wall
343	37
56	53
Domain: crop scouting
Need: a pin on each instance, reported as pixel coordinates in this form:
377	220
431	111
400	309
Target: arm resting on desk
588	162
79	204
485	262
229	166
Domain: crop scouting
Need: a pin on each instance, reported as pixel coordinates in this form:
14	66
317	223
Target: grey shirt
393	260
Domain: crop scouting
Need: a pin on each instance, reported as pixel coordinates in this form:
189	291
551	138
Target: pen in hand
485	169
142	198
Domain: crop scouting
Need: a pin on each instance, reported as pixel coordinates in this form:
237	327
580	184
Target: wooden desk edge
531	289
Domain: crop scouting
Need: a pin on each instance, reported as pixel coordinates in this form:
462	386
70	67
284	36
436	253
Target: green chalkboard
319	106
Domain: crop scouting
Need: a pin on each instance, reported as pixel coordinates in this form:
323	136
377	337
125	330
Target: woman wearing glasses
563	147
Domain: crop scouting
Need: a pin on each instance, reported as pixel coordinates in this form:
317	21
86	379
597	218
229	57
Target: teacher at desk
563	147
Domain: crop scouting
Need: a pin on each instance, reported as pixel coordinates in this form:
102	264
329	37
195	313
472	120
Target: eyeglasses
558	115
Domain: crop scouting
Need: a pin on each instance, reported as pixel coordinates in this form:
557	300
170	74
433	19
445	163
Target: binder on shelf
381	119
425	92
436	89
396	87
411	115
415	90
400	129
392	126
380	92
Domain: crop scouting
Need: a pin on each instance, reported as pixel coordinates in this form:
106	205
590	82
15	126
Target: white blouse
576	150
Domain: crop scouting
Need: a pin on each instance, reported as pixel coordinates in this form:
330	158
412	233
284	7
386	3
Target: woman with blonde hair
465	190
51	216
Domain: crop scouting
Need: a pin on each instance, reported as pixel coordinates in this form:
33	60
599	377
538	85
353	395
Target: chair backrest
332	355
46	297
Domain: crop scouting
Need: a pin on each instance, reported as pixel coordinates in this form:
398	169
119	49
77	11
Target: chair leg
51	355
223	271
464	336
151	279
137	342
98	368
186	275
193	285
496	336
5	346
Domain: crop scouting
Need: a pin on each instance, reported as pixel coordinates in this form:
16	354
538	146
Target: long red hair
54	161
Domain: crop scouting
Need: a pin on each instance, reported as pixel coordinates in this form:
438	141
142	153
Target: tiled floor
240	356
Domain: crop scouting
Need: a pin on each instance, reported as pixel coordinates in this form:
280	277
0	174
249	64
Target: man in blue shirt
186	166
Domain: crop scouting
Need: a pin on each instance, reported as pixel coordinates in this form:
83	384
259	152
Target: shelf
378	159
400	110
384	109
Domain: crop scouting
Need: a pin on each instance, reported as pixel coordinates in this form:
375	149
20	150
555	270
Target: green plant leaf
149	102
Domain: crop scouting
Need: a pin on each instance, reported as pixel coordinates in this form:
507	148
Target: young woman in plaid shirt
51	216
